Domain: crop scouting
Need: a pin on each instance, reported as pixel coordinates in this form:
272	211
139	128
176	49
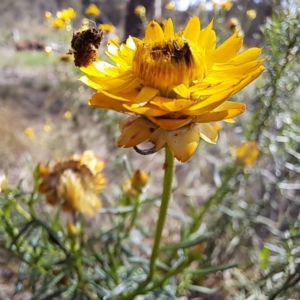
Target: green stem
169	167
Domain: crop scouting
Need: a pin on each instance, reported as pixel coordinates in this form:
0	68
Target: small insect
84	46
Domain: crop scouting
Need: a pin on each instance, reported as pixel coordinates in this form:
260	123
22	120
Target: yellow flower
174	84
58	23
171	5
133	185
251	13
139	179
245	154
226	5
29	132
107	27
66	14
74	183
140	10
93	10
47	15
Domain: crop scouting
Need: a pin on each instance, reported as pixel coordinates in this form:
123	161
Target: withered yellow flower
173	84
233	25
93	10
246	154
74	183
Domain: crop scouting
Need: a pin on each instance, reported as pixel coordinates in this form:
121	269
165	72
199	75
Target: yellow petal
169	29
208	132
146	94
208	104
248	79
226	50
153	33
224	114
182	91
135	132
170	124
147	110
171	105
102	101
248	55
211	42
183	142
192	29
205	34
127	86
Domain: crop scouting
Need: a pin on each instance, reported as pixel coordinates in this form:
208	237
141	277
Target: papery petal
169	29
158	139
208	132
182	91
103	101
183	142
192	29
135	132
171	105
226	50
147	110
170	124
146	94
222	113
154	32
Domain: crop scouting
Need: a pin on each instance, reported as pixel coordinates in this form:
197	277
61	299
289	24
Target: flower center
166	64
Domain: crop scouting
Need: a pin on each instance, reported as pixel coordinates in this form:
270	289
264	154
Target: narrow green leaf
189	243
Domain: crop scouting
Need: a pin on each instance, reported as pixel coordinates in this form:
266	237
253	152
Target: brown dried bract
84	46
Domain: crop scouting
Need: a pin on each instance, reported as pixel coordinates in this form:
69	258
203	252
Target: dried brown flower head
84	46
73	183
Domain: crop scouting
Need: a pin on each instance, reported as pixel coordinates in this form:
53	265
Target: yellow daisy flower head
92	10
107	27
58	23
47	15
251	13
246	154
173	84
132	186
66	14
140	10
73	183
226	5
171	5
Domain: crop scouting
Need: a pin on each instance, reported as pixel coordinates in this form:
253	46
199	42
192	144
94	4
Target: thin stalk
168	179
169	167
